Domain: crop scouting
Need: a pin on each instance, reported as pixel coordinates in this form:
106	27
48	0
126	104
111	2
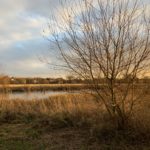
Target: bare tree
107	39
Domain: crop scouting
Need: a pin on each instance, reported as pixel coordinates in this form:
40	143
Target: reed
74	112
69	104
74	108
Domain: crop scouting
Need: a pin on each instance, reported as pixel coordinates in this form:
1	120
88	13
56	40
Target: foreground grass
69	122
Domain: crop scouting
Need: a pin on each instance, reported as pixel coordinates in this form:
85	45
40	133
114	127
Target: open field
69	122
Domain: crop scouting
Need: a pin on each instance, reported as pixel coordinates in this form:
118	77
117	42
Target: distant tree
4	79
21	80
70	78
129	77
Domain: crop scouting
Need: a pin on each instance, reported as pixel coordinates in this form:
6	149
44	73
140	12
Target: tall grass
69	105
75	110
81	106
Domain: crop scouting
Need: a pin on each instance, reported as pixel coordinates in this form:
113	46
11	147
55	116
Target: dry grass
74	107
53	104
58	114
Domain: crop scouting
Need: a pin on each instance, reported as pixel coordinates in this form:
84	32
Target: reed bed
73	112
75	108
54	104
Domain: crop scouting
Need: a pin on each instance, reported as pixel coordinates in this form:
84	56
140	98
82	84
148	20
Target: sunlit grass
74	106
68	103
39	121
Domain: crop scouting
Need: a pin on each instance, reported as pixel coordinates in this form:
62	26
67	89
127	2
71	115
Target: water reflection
32	95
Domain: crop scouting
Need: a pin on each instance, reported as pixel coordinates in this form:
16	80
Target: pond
34	95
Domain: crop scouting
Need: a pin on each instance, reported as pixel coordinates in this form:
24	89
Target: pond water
34	95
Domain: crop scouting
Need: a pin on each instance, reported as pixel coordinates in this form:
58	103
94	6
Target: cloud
22	58
21	35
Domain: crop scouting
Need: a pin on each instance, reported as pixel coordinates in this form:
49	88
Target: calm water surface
34	95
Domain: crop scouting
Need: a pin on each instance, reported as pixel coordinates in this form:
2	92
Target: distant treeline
69	79
20	80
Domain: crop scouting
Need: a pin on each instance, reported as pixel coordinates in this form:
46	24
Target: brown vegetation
77	114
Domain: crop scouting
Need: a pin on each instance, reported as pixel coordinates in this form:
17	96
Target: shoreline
58	87
42	87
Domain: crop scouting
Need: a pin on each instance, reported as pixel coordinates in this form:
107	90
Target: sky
22	44
21	37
